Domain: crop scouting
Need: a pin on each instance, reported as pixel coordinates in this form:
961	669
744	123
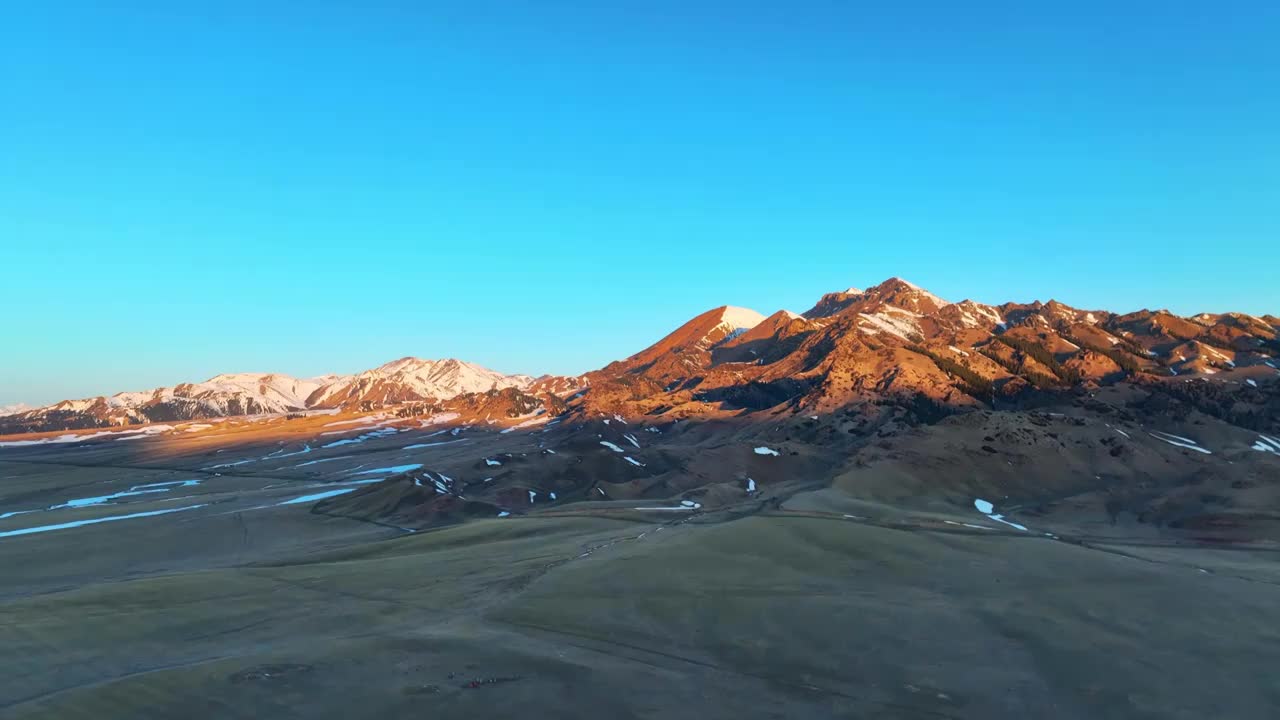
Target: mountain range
405	380
893	343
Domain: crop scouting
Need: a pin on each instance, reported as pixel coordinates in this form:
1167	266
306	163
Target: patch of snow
419	446
527	423
492	463
751	485
611	446
384	432
766	451
901	324
738	318
986	508
95	521
317	496
232	464
314	462
1179	441
305	449
90	501
73	438
357	421
936	300
1217	354
985	311
532	496
504	513
632	439
170	484
1251	382
633	461
393	470
345	431
968	525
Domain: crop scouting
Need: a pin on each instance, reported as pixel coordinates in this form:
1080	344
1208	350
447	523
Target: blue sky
192	188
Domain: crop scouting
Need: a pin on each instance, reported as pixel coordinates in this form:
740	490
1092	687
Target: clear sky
189	188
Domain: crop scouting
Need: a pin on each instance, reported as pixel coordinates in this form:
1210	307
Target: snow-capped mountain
411	378
406	379
689	346
13	409
220	394
895	342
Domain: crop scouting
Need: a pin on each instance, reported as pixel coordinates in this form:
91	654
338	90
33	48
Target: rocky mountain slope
898	344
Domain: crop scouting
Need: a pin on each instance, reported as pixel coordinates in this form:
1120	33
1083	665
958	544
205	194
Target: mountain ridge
232	394
892	342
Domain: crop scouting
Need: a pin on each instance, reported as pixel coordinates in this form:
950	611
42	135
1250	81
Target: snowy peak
894	293
739	318
772	326
14	409
277	390
734	321
687	350
415	379
219	396
449	376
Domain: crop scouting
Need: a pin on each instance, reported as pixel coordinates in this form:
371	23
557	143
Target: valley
888	506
